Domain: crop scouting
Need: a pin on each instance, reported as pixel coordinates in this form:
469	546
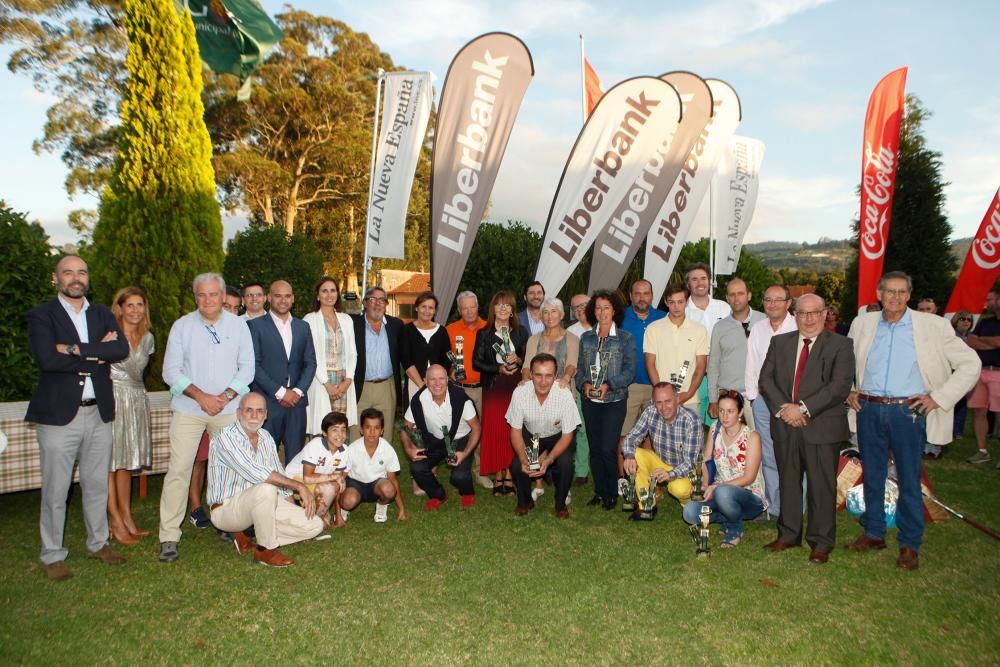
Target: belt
377	381
991	368
887	400
216	506
88	403
472	385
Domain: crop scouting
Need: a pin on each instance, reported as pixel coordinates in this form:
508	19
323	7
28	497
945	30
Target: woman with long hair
333	338
132	435
498	356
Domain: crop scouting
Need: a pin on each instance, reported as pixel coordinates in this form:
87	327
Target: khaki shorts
639	396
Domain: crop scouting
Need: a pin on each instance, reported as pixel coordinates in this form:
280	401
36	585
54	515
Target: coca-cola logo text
878	171
986	248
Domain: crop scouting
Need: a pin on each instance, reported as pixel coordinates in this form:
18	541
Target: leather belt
472	385
88	403
886	400
216	506
376	381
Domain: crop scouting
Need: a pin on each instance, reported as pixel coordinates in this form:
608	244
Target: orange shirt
468	334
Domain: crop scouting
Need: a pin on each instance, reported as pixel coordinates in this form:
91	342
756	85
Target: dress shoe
58	571
272	558
778	545
908	559
609	504
593	502
242	542
865	543
521	510
108	555
818	557
562	514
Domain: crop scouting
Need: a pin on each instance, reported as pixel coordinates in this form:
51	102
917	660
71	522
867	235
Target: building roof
420	282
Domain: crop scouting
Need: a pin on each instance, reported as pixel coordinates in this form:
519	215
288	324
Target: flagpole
583	83
711	233
371	182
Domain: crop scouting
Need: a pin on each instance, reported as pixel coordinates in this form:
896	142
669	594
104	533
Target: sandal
497	488
731	541
508	486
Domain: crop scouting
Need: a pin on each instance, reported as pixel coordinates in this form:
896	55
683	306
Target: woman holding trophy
498	356
735	491
604	370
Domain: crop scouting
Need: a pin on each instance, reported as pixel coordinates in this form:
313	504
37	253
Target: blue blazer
273	369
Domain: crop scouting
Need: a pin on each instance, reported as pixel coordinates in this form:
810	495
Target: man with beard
531	316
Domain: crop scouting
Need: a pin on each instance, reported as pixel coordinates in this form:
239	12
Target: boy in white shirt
323	465
373	465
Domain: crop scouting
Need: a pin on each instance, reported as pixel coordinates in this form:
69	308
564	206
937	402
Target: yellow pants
647	462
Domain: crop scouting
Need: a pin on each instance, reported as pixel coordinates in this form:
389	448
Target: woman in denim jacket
604	410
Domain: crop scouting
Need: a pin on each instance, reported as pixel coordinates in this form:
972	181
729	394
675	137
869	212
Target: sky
803	70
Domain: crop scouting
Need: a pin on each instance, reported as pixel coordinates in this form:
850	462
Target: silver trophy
647	501
703	550
457	362
508	347
449	446
627	487
677	379
598	374
532	451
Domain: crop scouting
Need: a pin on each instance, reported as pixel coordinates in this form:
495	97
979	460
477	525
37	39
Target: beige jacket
948	366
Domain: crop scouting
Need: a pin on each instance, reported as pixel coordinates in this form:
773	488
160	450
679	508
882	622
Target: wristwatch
71	349
230	393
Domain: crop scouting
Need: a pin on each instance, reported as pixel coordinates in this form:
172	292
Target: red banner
592	86
878	179
982	264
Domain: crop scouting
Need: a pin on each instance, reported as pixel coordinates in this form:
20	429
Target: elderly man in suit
72	342
806	377
911	370
285	363
376	375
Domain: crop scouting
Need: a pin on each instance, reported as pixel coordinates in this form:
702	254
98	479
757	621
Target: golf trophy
647	501
533	454
628	494
697	491
703	550
598	374
503	351
456	359
677	379
416	438
449	446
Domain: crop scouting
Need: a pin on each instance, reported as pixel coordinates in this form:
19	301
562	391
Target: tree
159	223
265	254
25	281
831	287
754	272
919	232
503	257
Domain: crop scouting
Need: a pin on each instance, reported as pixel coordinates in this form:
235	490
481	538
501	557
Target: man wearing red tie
805	380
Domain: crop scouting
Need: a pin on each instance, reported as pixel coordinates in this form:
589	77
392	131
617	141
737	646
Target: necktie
746	328
803	358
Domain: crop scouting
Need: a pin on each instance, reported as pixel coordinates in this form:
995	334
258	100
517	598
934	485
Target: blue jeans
731	506
768	464
883	429
604	424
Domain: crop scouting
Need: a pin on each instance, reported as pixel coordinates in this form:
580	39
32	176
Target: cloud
37	98
812	116
787	192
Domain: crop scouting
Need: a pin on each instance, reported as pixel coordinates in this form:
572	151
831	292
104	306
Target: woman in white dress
336	358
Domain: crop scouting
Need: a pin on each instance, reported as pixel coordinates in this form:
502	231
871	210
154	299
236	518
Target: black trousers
461	475
795	458
561	469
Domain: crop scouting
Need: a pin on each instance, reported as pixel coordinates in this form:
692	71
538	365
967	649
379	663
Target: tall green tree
503	257
159	222
919	233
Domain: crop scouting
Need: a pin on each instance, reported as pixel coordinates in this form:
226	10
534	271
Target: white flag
734	195
405	111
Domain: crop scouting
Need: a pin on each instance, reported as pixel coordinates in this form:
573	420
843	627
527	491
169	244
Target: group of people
510	402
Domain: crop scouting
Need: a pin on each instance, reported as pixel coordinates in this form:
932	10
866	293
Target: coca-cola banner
982	264
619	242
878	179
734	196
481	95
614	155
673	222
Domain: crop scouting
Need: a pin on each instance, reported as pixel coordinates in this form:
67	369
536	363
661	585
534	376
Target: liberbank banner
619	242
667	236
480	98
623	141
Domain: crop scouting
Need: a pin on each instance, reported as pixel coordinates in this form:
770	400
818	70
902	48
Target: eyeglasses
808	313
964	319
377	299
503	306
895	292
774	300
215	334
580	306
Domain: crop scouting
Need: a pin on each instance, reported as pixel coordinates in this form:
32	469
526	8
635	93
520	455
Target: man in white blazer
911	370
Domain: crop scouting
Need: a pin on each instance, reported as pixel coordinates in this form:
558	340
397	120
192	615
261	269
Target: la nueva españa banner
982	264
734	197
480	98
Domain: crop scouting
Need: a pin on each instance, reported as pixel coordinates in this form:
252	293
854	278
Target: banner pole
371	181
711	232
583	83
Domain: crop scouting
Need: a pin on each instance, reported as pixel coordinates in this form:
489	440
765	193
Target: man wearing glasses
208	364
805	380
777	321
376	376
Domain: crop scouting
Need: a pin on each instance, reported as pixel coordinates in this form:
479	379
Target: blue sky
803	70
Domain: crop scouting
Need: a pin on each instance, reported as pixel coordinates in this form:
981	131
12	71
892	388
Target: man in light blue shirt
208	364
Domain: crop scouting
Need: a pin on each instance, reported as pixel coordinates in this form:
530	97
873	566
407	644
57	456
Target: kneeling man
440	411
247	487
543	410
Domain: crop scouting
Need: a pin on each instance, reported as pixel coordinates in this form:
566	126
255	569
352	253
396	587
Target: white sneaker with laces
537	493
381	513
344	514
569	497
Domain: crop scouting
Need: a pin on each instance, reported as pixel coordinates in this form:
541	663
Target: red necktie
803	358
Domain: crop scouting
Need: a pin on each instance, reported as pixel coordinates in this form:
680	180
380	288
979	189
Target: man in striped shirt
247	488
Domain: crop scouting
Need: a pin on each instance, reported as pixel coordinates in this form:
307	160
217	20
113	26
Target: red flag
878	179
592	86
982	264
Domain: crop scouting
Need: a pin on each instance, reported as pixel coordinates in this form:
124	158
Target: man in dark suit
376	376
285	365
73	342
805	380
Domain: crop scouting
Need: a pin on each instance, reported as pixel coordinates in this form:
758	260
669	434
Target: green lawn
482	586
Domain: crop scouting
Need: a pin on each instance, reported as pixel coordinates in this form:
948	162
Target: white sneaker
569	497
381	513
344	514
537	493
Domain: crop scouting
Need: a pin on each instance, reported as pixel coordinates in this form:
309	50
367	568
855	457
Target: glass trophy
458	363
416	438
703	550
598	374
628	494
677	379
532	451
449	446
697	491
647	501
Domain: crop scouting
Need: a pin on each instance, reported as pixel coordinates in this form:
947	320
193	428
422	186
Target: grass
482	586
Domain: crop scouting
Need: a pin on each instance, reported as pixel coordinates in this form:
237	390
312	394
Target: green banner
234	36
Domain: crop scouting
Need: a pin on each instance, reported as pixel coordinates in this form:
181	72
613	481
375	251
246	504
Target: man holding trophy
676	435
462	333
542	418
441	425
